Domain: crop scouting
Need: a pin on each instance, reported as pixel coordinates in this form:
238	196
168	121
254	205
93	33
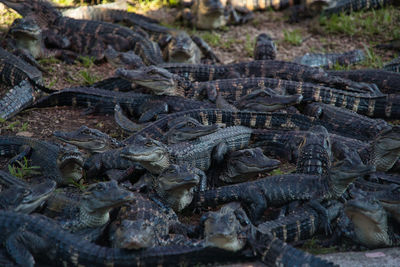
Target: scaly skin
104	101
82	33
370	223
301	224
61	247
264	48
330	60
92	140
264	4
261	68
281	189
393	65
315	155
348	6
50	157
387	81
156	157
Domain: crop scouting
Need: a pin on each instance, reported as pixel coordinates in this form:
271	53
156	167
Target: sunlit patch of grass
292	37
147	5
382	22
7	16
63	2
212	38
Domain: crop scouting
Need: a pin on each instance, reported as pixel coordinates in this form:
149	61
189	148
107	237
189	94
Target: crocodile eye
27	192
149	143
190	124
247	154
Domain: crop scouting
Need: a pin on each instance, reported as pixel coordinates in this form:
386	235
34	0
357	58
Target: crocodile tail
274	252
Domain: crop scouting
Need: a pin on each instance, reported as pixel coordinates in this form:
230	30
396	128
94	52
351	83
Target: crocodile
315	155
370	223
26	199
393	65
104	101
264	47
301	224
264	4
393	44
329	60
262	68
348	6
78	36
91	140
281	189
386	81
243	165
61	164
156	156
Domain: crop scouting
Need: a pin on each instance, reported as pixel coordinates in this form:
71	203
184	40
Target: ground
361	30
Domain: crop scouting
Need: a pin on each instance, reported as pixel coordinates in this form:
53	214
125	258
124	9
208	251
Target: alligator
95	205
361	127
393	65
386	81
301	224
61	164
264	47
156	156
242	165
91	140
262	68
25	199
329	60
348	6
143	223
161	81
78	35
264	4
370	223
176	44
315	155
281	189
214	14
104	101
25	81
392	44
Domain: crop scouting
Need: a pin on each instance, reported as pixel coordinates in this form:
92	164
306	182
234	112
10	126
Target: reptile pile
205	141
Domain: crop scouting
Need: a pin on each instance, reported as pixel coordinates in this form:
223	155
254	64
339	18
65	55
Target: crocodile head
27	35
345	172
41	11
182	49
175	185
26	199
89	139
386	149
267	100
160	81
210	14
187	128
370	221
151	154
247	163
70	162
134	234
223	229
100	198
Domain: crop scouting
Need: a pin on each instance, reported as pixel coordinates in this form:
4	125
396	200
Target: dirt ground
233	45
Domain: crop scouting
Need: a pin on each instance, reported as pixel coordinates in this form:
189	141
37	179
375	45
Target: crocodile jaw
231	243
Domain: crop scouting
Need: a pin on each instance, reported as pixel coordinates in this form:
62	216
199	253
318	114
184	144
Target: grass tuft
23	170
292	37
212	38
88	78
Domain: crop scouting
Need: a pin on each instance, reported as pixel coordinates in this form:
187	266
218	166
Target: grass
86	61
23	170
249	45
88	77
372	60
15	126
144	6
292	37
374	23
212	38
